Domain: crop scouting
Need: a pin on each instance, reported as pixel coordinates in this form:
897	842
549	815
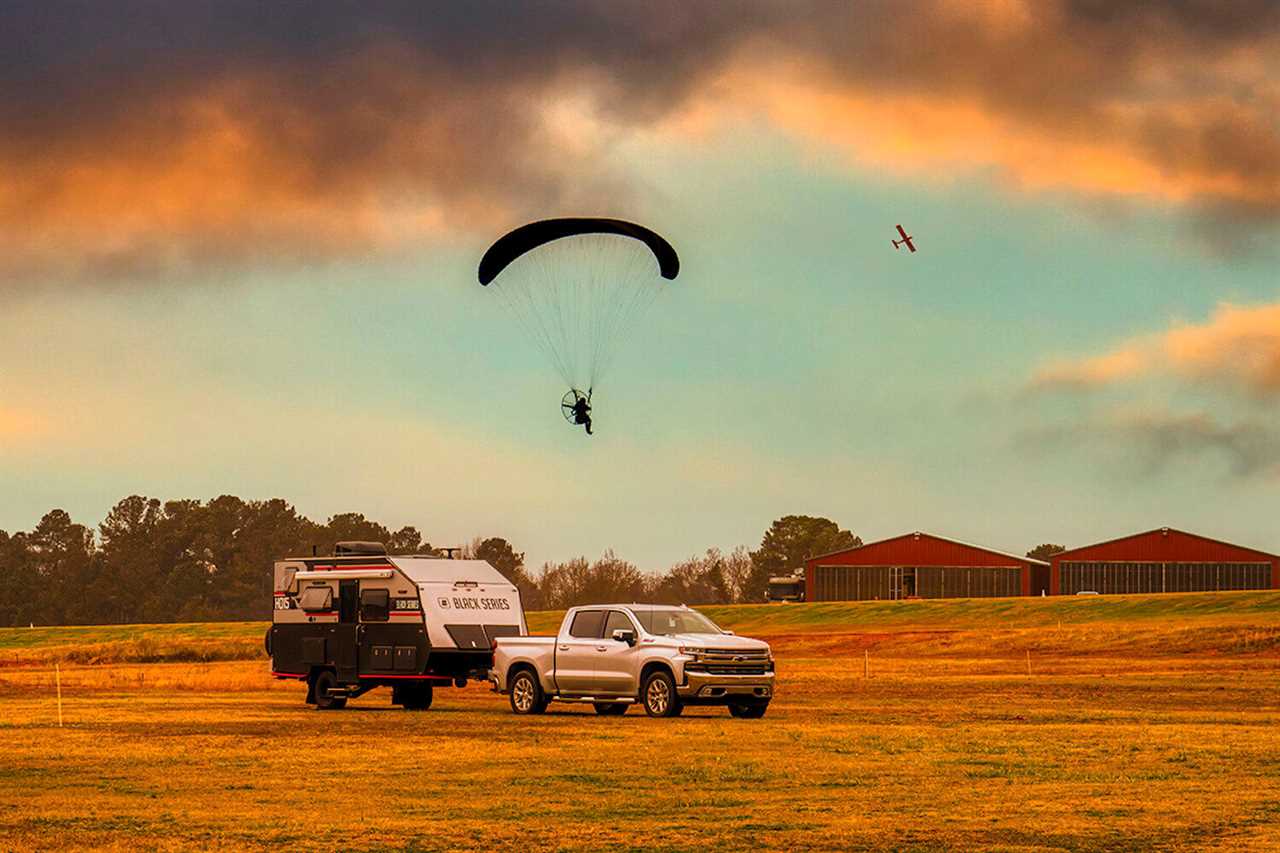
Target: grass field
1144	723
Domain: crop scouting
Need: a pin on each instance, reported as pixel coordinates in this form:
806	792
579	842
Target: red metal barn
1164	560
921	565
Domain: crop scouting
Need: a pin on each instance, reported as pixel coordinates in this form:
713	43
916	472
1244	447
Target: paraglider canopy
515	243
576	285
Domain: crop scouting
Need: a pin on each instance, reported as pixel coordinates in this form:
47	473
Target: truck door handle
564	648
602	648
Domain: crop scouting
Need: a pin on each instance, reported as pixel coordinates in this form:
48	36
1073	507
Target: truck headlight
692	651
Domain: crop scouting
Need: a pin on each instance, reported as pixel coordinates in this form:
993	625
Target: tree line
191	561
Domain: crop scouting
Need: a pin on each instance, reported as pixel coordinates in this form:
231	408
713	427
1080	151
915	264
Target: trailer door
346	639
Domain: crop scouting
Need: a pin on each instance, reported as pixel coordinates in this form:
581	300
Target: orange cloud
1099	370
1237	346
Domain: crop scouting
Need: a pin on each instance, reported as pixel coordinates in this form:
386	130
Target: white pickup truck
612	655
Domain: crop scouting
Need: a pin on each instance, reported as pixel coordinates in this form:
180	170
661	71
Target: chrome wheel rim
658	696
522	693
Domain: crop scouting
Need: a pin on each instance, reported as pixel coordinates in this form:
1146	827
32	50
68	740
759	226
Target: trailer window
316	599
587	623
375	605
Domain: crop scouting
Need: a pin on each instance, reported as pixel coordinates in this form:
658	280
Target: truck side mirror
623	635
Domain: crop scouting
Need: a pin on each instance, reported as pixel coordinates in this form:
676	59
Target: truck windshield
664	623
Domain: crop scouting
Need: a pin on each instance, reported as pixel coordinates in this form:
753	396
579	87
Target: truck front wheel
658	695
526	694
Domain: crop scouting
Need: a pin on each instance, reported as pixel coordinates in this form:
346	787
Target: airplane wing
903	233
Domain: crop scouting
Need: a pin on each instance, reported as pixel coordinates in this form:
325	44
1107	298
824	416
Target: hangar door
867	583
1118	578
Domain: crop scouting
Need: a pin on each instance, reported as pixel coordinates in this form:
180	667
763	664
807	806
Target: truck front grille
730	669
733	654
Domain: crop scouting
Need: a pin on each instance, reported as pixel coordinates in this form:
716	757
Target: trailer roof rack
359	549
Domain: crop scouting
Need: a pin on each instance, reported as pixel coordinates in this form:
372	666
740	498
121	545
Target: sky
238	255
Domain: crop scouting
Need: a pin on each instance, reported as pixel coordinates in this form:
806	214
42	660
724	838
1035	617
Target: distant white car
1087	592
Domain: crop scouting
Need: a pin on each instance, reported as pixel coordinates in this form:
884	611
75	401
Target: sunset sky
238	248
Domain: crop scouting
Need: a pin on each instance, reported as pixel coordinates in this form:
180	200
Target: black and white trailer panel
348	624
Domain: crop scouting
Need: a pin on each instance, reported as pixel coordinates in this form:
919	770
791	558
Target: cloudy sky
238	248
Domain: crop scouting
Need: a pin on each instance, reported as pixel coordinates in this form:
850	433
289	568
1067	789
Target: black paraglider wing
515	243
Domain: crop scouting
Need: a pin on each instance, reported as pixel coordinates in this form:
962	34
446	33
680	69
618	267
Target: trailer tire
658	695
748	710
413	697
323	683
527	696
266	641
611	709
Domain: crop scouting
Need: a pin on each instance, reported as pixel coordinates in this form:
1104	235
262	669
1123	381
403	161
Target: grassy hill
1227	621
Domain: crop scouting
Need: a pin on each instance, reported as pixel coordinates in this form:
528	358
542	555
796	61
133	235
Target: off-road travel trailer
361	619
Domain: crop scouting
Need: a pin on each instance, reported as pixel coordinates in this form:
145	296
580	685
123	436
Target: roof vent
1164	531
359	549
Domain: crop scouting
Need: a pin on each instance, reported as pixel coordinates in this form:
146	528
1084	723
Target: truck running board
612	700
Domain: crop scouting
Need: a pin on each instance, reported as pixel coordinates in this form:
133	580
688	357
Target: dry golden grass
1162	736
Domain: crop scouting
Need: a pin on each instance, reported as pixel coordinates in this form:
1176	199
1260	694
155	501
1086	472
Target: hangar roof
1165	544
924	549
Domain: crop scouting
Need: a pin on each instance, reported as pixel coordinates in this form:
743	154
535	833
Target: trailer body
351	622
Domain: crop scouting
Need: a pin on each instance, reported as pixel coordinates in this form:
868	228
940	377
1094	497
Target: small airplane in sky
906	238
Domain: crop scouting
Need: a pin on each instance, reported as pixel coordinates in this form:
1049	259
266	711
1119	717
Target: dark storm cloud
1153	443
143	137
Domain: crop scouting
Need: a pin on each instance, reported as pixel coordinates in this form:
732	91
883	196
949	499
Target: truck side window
617	621
587	623
375	605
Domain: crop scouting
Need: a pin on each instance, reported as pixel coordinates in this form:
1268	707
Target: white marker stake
57	677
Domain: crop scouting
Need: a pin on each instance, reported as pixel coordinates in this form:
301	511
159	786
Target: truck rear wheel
658	695
526	694
749	710
610	709
324	682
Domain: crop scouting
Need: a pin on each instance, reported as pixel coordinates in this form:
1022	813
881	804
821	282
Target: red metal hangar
920	565
1164	560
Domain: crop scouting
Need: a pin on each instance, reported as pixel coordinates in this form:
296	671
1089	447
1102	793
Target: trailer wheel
526	693
659	695
413	697
266	641
324	682
749	710
611	709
